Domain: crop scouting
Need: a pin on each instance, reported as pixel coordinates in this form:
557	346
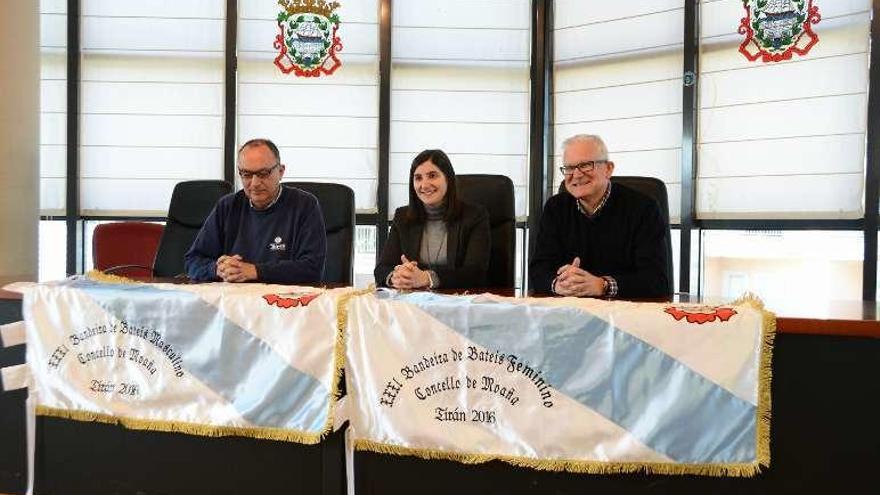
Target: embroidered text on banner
561	384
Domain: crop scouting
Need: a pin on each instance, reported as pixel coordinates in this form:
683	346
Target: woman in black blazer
437	241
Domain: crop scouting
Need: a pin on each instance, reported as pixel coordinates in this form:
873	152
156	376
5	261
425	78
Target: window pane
617	73
326	127
364	255
786	269
791	134
53	106
460	82
152	102
53	250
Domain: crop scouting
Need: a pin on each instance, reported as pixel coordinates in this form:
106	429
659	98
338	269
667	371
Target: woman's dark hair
416	211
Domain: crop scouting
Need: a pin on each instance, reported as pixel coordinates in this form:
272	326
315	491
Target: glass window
785	139
364	255
52	250
783	268
460	82
617	73
326	127
151	100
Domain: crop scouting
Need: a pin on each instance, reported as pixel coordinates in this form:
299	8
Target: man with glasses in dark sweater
596	240
263	233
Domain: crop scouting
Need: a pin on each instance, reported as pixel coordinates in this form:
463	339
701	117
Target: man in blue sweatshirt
265	232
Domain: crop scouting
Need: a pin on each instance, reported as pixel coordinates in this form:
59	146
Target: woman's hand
408	275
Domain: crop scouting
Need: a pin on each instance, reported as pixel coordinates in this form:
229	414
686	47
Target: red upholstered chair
126	249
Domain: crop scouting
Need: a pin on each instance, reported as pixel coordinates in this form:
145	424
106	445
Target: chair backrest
191	202
126	248
655	189
495	193
337	205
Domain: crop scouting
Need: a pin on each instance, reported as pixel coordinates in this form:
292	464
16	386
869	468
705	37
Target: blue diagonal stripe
231	361
663	403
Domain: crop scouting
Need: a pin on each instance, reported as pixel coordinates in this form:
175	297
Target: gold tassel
107	278
339	351
573	466
261	433
765	375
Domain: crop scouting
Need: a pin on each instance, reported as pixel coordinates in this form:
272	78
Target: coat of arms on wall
307	40
775	29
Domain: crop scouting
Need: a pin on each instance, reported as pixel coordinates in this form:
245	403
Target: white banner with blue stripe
215	359
581	385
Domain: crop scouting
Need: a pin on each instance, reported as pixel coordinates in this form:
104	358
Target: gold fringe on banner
573	466
339	352
765	374
262	433
108	278
762	432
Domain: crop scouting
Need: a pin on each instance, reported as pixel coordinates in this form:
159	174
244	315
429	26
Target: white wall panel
326	127
212	9
152	98
494	14
568	13
121	34
771	82
304	100
490	45
786	197
632	69
342	164
783	140
812	155
53	195
53	161
149	197
839	115
460	83
151	163
330	132
635	100
459	106
152	130
458	137
631	34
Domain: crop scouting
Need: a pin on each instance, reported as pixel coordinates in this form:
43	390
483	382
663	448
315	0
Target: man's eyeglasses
584	167
262	174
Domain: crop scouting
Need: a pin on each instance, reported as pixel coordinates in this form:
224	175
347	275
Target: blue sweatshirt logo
277	245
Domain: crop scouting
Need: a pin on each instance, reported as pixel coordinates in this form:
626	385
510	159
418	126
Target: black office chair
191	202
337	205
655	189
495	193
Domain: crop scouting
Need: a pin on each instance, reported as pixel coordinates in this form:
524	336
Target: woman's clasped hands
408	275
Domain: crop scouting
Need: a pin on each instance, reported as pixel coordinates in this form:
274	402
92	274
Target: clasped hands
408	275
572	280
232	268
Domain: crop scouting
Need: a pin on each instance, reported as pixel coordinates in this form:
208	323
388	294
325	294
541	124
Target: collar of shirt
276	200
598	208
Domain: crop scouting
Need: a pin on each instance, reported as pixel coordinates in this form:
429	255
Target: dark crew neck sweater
287	241
625	240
